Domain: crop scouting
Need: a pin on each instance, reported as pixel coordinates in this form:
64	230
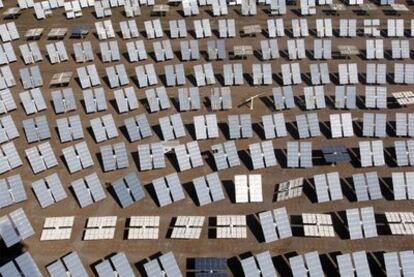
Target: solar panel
11	191
353	262
70	128
41	157
308	263
15	227
88	190
367	186
189	99
33	101
328	187
144	227
115	265
259	265
168	189
262	154
290	189
275	224
317	225
69	263
399	263
129	29
208	188
372	153
8	130
99	228
6	101
240	126
114	157
341	125
23	265
283	97
151	156
187	227
128	189
163	265
157	99
104	128
7	79
137	127
402	185
49	190
361	223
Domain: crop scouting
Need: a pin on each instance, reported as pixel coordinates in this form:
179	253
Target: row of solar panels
275	225
399	263
168	189
132	8
227	28
204	75
189	99
189	50
71	264
191	227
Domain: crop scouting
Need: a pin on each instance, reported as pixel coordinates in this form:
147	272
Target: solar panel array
337	72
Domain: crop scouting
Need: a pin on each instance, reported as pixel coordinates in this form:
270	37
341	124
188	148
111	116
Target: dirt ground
138	250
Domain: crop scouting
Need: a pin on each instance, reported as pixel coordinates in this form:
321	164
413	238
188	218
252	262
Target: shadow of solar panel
128	189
